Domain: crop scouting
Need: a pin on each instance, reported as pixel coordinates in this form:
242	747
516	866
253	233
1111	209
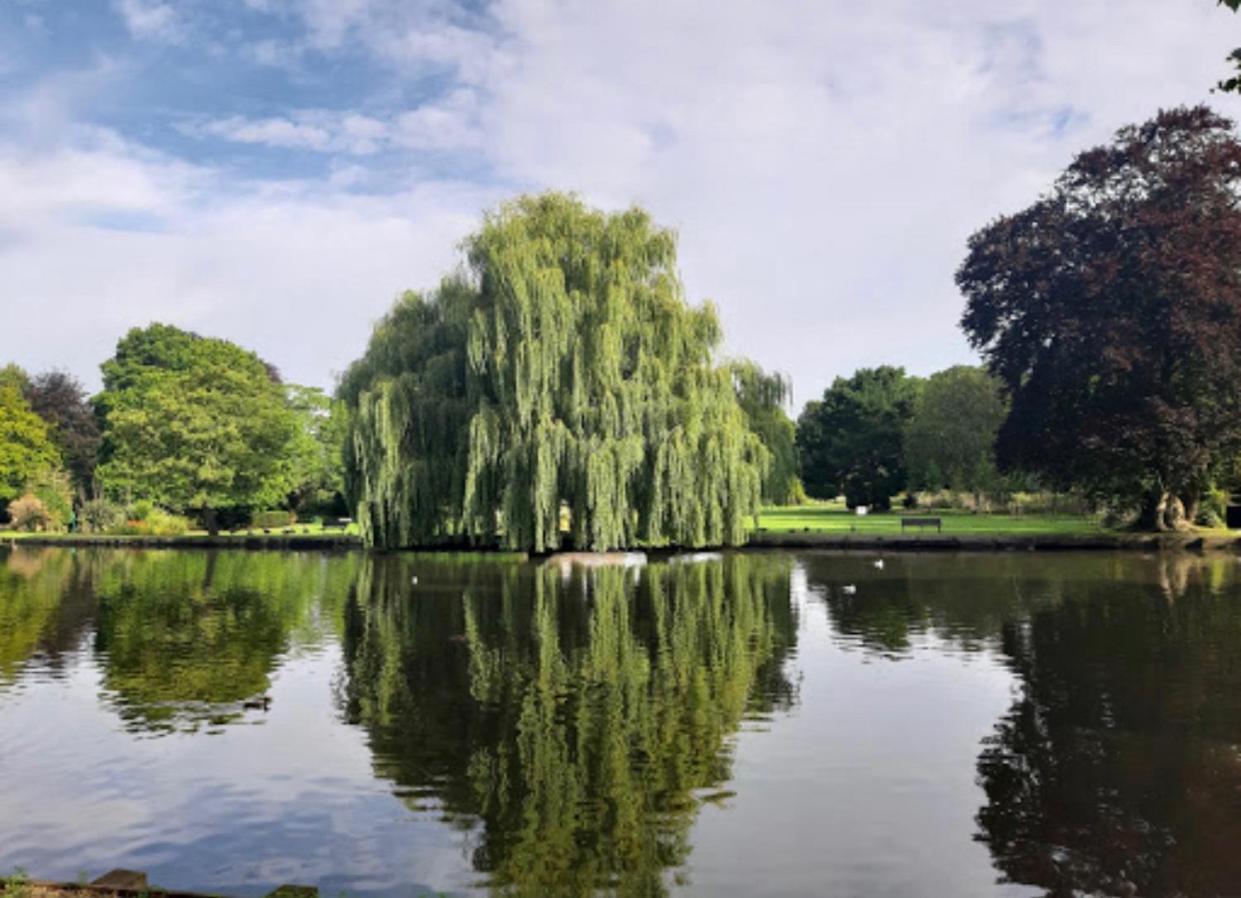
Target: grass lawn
833	517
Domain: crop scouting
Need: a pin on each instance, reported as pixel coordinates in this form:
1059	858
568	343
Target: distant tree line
185	426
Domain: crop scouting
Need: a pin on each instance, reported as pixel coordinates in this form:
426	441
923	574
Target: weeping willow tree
764	396
561	370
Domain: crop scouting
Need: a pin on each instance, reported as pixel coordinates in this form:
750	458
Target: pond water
737	725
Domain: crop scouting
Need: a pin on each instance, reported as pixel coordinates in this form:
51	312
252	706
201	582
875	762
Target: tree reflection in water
1118	770
567	720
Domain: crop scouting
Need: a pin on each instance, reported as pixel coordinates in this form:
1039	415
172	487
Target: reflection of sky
867	787
291	799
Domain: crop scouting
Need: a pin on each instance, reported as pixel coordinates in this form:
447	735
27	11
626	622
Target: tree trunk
211	521
1174	514
1192	502
1162	511
1152	515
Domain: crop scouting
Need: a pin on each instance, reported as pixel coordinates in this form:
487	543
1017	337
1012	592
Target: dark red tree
1111	309
60	400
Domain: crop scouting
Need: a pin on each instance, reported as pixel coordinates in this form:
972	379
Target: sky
277	172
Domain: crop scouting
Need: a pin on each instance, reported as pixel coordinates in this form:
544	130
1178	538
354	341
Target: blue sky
277	171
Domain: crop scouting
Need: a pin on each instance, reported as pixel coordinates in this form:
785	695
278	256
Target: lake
747	724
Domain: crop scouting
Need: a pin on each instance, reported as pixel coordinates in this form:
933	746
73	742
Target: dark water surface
752	724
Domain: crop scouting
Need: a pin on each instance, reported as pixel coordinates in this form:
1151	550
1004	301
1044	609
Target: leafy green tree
1111	309
763	398
60	400
317	453
566	370
851	441
193	423
950	437
26	448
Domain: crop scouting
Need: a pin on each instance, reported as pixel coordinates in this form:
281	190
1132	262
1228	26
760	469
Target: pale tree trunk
1163	511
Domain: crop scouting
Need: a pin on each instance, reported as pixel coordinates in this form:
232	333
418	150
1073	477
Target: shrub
156	523
29	514
163	523
270	519
52	488
1213	510
139	510
102	516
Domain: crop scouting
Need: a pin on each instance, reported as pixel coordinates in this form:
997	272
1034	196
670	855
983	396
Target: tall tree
763	398
850	441
566	368
193	423
317	452
1111	309
26	449
60	400
950	437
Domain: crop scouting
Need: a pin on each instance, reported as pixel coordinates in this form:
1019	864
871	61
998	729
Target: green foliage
156	522
54	489
566	367
193	423
30	514
950	437
851	441
102	516
273	519
763	398
26	449
317	451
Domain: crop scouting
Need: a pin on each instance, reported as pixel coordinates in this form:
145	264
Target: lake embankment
762	539
981	542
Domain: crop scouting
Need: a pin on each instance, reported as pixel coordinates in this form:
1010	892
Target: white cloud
449	123
150	20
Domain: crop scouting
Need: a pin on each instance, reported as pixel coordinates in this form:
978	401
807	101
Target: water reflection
484	725
1118	769
579	719
184	638
188	637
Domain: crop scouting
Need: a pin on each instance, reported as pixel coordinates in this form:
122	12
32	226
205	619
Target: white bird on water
848	589
879	564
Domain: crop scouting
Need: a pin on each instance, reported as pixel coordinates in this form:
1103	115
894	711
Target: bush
271	519
102	516
157	522
139	510
54	490
1213	510
29	514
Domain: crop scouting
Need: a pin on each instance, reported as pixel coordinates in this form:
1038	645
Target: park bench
338	524
922	523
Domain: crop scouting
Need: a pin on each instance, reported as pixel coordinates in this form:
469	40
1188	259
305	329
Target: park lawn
834	518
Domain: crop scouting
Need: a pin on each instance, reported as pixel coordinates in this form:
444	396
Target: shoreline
939	542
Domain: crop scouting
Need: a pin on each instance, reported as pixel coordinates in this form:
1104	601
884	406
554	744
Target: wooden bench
922	523
338	524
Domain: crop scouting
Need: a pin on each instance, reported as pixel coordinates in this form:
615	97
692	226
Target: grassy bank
834	518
